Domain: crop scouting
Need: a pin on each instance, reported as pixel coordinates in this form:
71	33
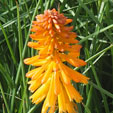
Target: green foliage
92	21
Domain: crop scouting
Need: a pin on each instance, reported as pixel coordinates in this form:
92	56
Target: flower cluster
51	79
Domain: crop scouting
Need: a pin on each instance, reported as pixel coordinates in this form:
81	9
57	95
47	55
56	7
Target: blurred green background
93	23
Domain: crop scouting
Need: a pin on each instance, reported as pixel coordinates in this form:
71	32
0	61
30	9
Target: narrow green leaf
5	101
8	44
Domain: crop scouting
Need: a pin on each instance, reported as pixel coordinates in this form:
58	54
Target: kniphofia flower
56	45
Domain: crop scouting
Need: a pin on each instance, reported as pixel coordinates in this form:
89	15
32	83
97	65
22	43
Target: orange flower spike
55	43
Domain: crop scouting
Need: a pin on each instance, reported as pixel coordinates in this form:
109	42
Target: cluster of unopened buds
51	79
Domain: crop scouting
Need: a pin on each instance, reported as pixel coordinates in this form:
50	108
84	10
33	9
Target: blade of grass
112	64
13	8
52	2
88	102
8	44
79	6
6	76
86	108
15	19
86	70
27	9
6	104
95	33
42	6
3	108
101	89
34	107
97	29
99	85
47	4
21	60
97	54
104	50
23	53
22	103
94	18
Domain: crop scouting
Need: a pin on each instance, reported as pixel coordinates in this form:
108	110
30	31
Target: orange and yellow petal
40	93
50	99
72	93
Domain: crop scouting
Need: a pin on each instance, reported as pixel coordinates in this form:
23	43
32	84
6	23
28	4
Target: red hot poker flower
51	79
